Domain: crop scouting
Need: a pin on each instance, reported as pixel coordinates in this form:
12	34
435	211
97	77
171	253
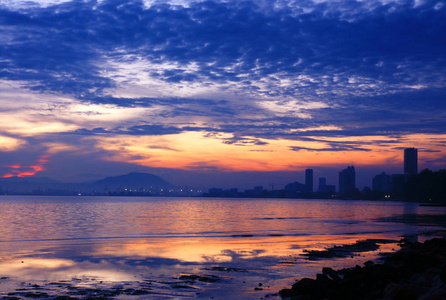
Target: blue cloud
60	46
378	67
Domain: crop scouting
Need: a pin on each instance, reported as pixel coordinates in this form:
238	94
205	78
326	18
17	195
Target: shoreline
416	271
339	284
127	258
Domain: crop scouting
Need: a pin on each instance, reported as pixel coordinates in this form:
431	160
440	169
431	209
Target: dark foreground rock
346	250
417	271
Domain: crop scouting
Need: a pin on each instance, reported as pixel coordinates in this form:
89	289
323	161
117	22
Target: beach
183	248
416	271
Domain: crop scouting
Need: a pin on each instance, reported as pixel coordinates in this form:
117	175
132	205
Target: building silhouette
322	184
347	181
398	181
295	187
309	180
324	187
410	161
382	182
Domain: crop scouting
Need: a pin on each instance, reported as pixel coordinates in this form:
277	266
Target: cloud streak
305	76
24	171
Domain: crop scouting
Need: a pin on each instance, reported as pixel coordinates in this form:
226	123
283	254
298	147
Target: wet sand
214	281
247	266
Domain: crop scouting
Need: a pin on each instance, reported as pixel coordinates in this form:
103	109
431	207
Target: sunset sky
221	93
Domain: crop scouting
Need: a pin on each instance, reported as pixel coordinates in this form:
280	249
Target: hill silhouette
134	181
46	186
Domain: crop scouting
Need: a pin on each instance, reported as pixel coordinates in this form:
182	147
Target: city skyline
346	187
221	93
347	178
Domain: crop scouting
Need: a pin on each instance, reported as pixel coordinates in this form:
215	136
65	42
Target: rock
443	275
399	292
369	263
286	293
323	280
304	286
436	294
328	271
417	271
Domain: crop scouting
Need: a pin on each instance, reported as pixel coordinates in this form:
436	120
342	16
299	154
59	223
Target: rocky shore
417	271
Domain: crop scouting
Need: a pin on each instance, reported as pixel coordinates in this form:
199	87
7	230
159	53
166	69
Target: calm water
105	241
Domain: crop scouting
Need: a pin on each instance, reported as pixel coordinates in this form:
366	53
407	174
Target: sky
221	93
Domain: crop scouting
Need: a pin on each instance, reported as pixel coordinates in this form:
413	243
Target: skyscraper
347	180
309	180
382	182
410	161
322	184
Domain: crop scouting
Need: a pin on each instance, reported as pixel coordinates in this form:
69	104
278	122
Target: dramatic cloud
21	171
223	85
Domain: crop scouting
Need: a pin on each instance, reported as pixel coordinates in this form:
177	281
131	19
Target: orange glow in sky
250	99
22	171
195	149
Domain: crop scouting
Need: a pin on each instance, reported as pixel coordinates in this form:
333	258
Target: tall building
322	184
382	182
410	161
398	185
309	180
347	180
324	187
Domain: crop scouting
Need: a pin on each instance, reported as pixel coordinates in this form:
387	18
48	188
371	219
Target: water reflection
38	218
235	243
270	260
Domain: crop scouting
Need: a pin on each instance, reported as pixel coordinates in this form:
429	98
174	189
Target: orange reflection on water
224	250
61	269
112	259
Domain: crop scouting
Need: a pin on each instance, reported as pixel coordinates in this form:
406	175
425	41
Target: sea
182	248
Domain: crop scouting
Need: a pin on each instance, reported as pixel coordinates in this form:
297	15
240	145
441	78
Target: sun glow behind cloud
197	150
10	144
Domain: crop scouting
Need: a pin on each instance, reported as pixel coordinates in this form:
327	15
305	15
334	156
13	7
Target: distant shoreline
140	195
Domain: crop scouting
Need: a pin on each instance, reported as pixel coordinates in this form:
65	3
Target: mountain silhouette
139	182
134	181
